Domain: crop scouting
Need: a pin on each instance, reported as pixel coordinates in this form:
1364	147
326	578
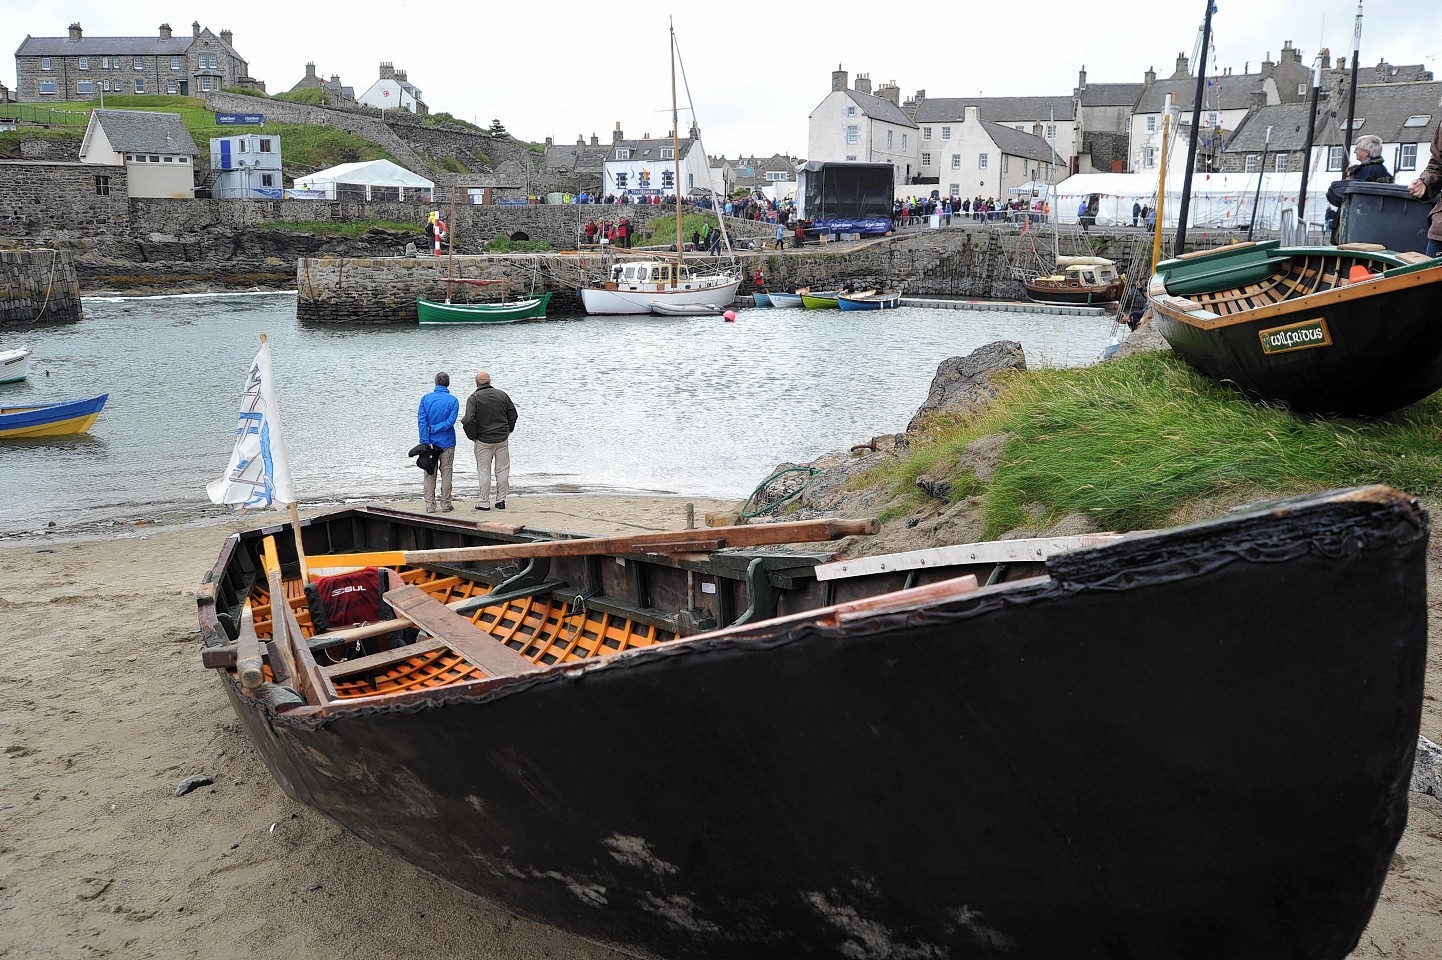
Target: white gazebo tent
1220	201
368	180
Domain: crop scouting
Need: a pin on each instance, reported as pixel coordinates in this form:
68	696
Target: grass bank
1144	441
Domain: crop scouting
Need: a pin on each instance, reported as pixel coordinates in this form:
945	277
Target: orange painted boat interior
543	629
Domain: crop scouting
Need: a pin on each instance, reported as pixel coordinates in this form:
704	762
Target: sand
105	709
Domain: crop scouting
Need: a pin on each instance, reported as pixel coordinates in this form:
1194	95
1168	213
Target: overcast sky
560	68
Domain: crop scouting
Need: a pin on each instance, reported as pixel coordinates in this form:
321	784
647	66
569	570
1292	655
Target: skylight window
1418	120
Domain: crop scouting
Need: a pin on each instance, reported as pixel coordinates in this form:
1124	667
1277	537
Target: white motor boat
642	286
14	364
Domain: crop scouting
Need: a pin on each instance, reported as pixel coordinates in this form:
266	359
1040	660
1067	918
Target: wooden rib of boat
869	301
765	754
434	312
1352	330
14	364
62	419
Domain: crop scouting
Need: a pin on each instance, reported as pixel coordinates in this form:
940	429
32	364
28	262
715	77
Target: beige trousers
498	454
443	470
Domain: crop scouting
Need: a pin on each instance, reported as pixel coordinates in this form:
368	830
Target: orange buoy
729	316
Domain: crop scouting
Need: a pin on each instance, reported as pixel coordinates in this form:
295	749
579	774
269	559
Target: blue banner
247	119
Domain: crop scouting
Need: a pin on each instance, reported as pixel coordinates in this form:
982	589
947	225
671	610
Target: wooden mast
676	158
450	242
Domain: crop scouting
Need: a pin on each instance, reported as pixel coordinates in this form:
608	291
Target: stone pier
38	284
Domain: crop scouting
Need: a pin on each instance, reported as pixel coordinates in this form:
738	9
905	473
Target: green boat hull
430	311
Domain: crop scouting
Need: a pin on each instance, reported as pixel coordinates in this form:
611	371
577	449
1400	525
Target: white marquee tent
1220	201
367	180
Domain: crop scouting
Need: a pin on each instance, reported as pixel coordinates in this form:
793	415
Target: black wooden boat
1352	330
1187	743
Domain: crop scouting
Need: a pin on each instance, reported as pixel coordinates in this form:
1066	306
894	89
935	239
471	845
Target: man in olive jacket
1429	187
490	418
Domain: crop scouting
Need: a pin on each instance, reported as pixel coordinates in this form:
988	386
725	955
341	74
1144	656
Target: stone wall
41	202
38	285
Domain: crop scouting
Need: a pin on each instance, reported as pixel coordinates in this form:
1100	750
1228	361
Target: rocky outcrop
962	385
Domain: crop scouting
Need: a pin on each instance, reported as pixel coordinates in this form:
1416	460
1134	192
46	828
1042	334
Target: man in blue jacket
436	421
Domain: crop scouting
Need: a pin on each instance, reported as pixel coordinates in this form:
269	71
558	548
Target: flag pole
295	519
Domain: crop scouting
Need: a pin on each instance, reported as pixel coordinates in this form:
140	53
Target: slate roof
1382	108
1230	92
576	157
1111	94
1018	144
1040	109
143	131
650	149
152	46
879	108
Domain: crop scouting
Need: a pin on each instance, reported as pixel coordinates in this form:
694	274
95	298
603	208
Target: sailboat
661	282
1072	280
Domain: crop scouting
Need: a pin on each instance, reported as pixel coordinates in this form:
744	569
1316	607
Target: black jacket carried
490	415
1373	170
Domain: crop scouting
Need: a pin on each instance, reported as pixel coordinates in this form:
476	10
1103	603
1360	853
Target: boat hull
761	299
433	312
890	302
14	365
785	299
1056	767
1074	295
1352	349
614	299
819	301
52	419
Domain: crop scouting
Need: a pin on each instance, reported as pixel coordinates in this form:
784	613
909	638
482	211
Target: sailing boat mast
1196	127
676	157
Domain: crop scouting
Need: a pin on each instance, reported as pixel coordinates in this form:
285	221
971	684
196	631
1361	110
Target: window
668	153
1407	159
102	186
1301	89
83	63
1334	158
853	134
267	179
926	133
926	159
1051	131
265	145
214	62
1211	119
132	158
851	110
139	64
776	176
1281	163
946	133
851	158
104	84
182	160
167	159
84	86
1149	157
889	135
139	85
47	86
1251	166
954	189
903	141
1356	124
981	160
175	63
1127	126
668	179
1005	163
620	181
956	161
154	158
104	63
205	84
623	153
1151	124
44	63
170	86
1418	120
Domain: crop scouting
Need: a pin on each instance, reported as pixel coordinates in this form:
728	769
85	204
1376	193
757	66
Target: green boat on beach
432	312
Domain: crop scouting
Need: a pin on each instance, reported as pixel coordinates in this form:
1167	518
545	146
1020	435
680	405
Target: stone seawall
38	285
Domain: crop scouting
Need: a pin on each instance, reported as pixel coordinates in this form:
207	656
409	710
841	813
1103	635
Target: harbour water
694	406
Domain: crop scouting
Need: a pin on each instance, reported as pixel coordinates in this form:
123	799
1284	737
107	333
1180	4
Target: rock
1144	339
1427	768
962	384
192	782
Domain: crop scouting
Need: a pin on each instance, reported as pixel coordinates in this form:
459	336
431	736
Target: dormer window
623	153
668	153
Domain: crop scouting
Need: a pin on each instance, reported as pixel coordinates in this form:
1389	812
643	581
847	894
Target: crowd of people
488	422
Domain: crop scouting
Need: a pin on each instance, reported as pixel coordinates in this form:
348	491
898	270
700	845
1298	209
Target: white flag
259	472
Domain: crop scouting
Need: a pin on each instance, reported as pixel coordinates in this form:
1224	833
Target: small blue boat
761	299
50	419
870	301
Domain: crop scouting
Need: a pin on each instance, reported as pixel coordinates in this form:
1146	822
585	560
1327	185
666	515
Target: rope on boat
766	500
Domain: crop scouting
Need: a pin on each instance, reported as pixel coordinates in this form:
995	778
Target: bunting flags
259	472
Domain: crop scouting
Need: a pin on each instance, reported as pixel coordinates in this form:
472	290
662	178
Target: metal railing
46	116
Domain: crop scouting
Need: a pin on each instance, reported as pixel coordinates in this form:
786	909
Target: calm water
695	406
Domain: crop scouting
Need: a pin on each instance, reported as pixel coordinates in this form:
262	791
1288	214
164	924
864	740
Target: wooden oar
677	541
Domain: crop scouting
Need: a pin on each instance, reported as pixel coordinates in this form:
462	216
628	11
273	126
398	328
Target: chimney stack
616	135
227	38
165	31
75	31
839	78
310	70
1183	68
194	28
863	83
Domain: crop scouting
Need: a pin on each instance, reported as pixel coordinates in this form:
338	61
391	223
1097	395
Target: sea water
695	406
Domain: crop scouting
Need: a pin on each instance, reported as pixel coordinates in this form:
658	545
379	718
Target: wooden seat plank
462	636
385	658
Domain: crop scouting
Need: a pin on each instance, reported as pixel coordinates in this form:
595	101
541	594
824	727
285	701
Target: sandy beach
106	709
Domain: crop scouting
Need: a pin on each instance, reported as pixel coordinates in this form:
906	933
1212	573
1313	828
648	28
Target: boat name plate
1296	336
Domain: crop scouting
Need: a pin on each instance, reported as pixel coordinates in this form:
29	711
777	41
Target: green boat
820	301
430	311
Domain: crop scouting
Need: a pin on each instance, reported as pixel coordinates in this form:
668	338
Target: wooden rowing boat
1191	742
869	300
67	418
531	308
1350	330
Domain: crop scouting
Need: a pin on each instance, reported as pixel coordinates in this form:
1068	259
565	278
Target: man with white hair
490	418
1369	168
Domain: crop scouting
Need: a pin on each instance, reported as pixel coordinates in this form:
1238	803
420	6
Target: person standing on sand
490	418
436	423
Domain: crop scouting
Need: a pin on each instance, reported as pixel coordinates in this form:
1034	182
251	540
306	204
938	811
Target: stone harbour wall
38	285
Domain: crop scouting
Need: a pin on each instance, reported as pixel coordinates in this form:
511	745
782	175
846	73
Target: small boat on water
687	309
869	301
1352	330
785	299
50	419
688	751
761	299
1078	281
434	312
638	287
15	364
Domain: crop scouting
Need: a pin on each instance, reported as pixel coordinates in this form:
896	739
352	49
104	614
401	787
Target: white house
647	167
987	159
155	149
246	166
393	91
854	126
941	132
367	180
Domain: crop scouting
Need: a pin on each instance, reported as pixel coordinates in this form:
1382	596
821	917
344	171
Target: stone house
647	167
1104	122
394	91
337	94
154	148
853	125
77	67
756	173
943	136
